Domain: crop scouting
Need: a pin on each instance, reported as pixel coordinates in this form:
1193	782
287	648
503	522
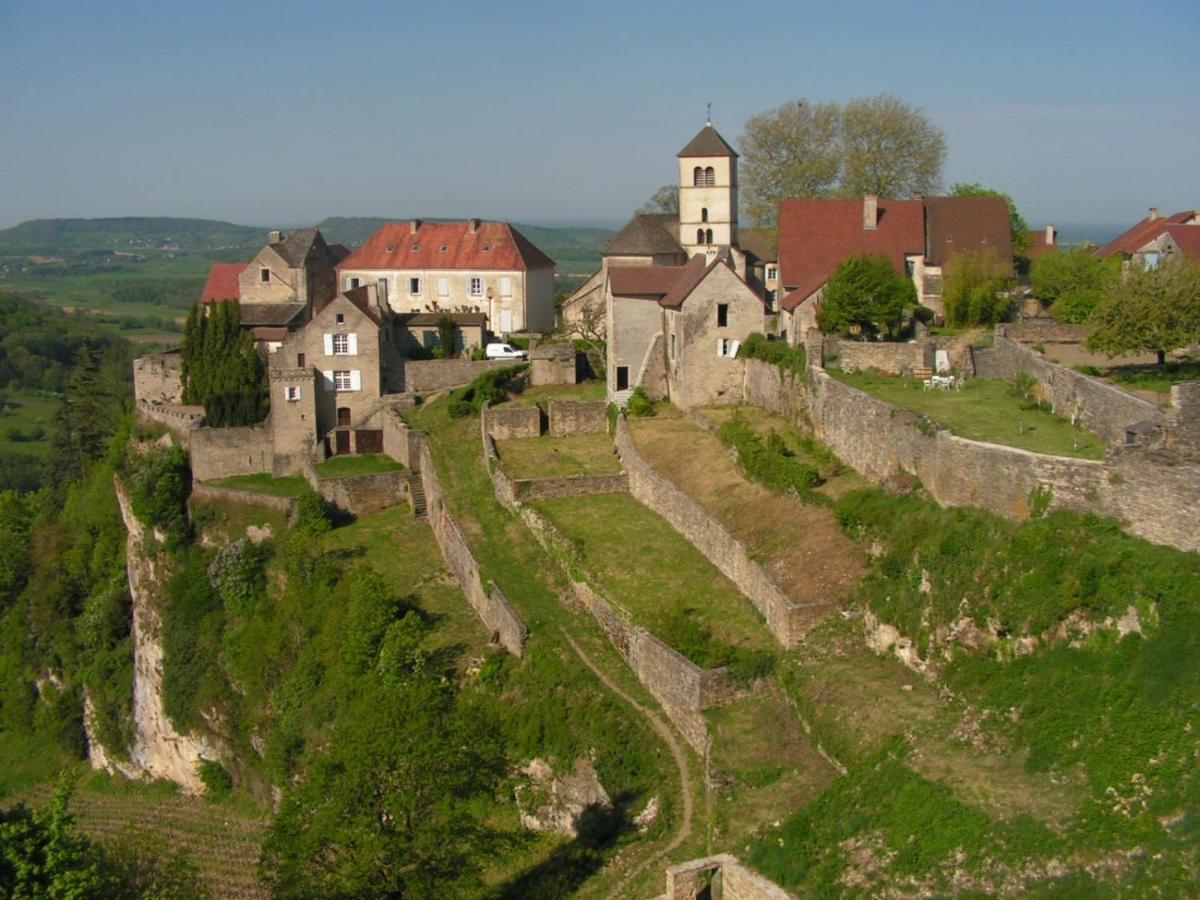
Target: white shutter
327	377
733	347
355	380
443	287
287	393
328	344
505	287
719	347
354	345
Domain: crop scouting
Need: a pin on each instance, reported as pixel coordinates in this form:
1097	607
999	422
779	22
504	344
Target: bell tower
708	194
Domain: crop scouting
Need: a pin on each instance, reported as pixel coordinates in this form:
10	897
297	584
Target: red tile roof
1141	234
494	245
1188	239
816	236
222	282
639	281
1038	245
966	224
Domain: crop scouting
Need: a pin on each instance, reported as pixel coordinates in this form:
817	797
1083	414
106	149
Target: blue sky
284	113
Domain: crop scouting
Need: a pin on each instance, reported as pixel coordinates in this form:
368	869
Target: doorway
622	378
341	442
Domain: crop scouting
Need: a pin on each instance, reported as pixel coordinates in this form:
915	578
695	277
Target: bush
789	359
159	484
975	289
218	783
238	576
487	388
771	464
460	409
923	314
1076	307
640	404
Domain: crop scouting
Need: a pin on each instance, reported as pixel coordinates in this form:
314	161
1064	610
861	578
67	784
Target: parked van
505	351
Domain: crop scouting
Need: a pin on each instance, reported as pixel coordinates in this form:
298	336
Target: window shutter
328	344
733	347
354	345
719	348
287	393
327	377
355	380
505	287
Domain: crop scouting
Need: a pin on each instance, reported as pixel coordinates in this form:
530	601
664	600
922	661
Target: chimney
1051	236
472	225
413	225
274	237
1153	213
870	212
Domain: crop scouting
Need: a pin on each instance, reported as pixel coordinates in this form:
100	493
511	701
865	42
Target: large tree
1073	282
1155	310
976	288
864	297
664	200
1016	222
874	145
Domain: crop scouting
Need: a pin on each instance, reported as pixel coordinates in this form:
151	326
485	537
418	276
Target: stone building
1157	238
458	267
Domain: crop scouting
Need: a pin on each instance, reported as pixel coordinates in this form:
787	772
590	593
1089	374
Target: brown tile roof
966	224
706	143
1038	245
269	314
339	251
494	245
816	236
690	276
460	318
1188	239
643	281
646	234
269	334
1141	234
761	243
222	282
294	248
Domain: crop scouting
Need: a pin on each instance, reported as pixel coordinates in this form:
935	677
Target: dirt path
685	778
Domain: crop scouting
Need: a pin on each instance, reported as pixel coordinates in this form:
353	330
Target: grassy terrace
984	410
1147	378
653	572
550	457
363	464
537	396
263	484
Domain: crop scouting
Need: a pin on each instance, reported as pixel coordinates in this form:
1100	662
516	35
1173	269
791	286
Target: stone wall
492	606
182	420
427	375
577	417
891	357
1102	407
553	364
222	452
508	422
569	486
212	492
399	441
1043	331
1182	421
729	880
361	495
771	388
787	619
1154	500
156	378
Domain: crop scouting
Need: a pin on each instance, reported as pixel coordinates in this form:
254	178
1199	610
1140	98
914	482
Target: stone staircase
416	495
621	398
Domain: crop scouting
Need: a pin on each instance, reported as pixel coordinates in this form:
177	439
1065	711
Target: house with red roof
919	237
458	267
1156	239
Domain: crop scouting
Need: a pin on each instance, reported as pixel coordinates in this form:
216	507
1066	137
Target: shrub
487	388
237	574
218	783
789	359
923	314
1076	307
460	409
974	289
159	486
865	296
640	404
771	464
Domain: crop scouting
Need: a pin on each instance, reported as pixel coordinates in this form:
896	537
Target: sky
567	112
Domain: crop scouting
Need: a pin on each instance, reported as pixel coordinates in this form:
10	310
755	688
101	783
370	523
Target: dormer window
416	247
487	248
391	249
445	247
264	275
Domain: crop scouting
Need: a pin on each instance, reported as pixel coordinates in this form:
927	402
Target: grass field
290	486
551	457
363	464
984	410
26	422
537	396
1147	378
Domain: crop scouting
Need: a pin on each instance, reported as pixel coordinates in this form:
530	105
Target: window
710	177
505	287
341	345
708	235
291	394
443	287
414	285
476	286
339	319
699	235
697	177
772	273
723	347
344	381
299	360
704	214
672	346
722	315
352	283
264	275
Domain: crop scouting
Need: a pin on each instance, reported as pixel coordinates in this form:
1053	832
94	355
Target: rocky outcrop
158	750
550	803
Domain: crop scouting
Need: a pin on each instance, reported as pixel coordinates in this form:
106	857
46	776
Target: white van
504	351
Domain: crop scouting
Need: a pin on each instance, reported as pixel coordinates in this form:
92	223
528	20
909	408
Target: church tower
708	194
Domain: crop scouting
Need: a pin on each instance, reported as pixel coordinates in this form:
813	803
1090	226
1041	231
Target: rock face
548	803
158	750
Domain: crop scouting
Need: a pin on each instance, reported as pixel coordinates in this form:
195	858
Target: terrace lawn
643	565
552	457
1153	378
263	484
984	410
364	464
537	396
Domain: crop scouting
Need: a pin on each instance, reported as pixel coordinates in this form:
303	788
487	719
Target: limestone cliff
158	750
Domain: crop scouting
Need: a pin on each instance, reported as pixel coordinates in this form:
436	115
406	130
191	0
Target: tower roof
707	143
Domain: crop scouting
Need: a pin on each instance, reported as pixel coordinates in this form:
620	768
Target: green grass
290	486
363	464
643	564
1149	378
551	457
25	412
984	410
537	396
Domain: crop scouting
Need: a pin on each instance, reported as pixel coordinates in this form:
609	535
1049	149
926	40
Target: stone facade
787	620
507	422
775	390
361	495
156	378
427	376
275	276
719	876
1182	421
216	494
577	417
223	452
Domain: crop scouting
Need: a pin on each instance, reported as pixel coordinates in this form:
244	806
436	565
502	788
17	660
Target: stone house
1157	238
486	268
919	237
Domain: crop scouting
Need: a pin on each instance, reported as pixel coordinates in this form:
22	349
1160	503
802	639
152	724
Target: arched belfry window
699	235
697	177
708	236
710	176
704	214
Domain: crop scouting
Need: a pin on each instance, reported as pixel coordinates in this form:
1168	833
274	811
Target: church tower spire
708	199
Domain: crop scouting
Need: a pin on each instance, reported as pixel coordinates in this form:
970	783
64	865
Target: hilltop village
773	535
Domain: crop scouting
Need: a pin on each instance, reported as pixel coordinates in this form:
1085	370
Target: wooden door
368	440
342	439
343	416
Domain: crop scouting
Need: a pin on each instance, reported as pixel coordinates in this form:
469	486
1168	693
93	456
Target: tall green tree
220	367
1149	310
865	297
975	289
1073	282
1016	222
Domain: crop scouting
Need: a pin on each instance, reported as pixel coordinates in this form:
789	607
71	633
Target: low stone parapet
569	486
577	417
719	876
424	376
214	492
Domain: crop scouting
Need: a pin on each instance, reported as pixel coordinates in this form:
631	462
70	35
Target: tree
220	367
446	329
590	330
865	296
1016	222
664	200
1154	310
975	288
874	145
1073	282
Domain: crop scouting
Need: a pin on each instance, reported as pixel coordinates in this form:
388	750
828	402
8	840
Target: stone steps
416	495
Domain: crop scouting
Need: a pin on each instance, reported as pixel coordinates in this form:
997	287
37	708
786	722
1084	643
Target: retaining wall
201	491
569	486
787	619
719	876
362	495
1043	331
767	386
507	422
892	357
182	420
578	417
222	452
427	375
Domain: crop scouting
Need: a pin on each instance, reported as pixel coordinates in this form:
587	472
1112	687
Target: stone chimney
1051	236
870	212
413	225
472	225
274	237
1153	213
